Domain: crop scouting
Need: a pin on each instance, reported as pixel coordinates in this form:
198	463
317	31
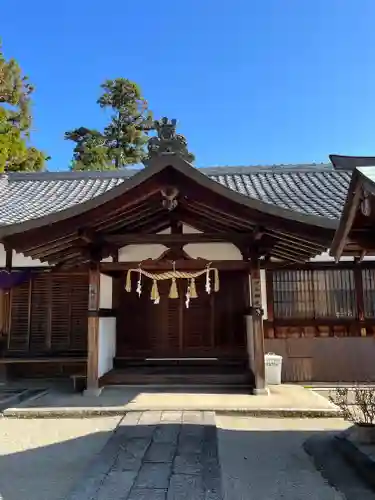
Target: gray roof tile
311	190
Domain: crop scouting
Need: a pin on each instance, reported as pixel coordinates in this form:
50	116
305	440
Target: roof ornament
167	142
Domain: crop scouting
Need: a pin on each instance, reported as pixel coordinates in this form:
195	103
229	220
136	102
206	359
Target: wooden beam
302	239
227	219
150	225
186	265
125	221
86	235
202	225
347	220
165	239
285	256
293	254
231	220
176	223
111	220
55	245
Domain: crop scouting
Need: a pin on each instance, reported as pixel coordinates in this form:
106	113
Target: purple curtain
13	278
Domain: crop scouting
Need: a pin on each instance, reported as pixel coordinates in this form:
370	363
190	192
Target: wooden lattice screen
314	294
49	313
368	284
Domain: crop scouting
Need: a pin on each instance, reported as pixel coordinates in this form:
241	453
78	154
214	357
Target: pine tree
123	140
15	120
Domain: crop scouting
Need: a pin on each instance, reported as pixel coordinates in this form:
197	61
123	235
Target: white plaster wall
263	292
138	253
107	327
106	289
107	259
186	229
213	251
107	344
209	251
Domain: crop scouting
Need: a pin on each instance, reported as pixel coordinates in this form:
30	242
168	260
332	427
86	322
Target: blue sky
250	81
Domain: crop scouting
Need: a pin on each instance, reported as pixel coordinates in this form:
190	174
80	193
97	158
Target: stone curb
360	461
119	411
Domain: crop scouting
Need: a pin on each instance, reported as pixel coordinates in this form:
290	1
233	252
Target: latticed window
306	294
368	280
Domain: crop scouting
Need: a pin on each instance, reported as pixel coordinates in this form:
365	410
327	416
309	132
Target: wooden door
212	325
198	333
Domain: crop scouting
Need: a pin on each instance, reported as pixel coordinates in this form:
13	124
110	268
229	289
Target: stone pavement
170	455
264	459
157	456
284	400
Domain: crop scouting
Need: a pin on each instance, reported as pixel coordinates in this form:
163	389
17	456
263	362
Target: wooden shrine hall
145	257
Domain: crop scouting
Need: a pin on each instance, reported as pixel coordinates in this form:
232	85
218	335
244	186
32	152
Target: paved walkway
157	456
291	400
170	455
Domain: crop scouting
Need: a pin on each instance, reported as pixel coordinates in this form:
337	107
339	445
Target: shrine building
171	274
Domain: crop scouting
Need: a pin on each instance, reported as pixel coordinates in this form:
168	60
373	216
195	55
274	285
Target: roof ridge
266	168
68	174
129	172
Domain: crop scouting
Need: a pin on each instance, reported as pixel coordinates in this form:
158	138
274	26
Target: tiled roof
310	190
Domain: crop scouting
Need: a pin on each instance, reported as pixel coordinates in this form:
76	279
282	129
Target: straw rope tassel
139	284
217	281
155	292
193	289
173	292
208	284
128	284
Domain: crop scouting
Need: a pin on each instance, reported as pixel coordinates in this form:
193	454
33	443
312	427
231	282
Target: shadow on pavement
173	461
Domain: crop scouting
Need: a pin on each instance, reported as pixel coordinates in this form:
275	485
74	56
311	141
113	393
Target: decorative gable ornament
167	142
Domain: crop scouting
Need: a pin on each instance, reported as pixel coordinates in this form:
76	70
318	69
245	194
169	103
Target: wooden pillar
6	320
5	317
256	313
359	294
92	387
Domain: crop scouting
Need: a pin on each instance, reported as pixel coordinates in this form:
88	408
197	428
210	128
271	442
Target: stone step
180	376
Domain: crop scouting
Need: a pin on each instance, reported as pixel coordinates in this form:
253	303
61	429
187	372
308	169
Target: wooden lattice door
212	325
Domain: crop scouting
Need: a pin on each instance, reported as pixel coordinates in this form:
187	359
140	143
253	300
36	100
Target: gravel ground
264	459
43	459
